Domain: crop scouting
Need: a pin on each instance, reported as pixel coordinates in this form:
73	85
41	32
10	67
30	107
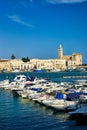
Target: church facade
72	60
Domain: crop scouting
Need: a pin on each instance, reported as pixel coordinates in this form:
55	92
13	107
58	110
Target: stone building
73	60
18	64
49	64
4	65
61	63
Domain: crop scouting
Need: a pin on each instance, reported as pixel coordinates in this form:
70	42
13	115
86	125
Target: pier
74	76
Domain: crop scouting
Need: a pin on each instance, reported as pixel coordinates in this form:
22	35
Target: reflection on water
41	111
46	110
28	115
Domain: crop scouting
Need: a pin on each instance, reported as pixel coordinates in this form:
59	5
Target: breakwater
75	76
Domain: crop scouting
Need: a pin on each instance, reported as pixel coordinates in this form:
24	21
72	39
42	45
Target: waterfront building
4	65
72	60
61	63
48	64
15	64
18	64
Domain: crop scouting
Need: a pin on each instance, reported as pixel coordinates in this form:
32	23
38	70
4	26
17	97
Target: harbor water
22	114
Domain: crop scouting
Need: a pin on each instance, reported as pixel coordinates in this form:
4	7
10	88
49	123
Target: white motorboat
4	83
20	78
81	111
43	97
61	104
83	98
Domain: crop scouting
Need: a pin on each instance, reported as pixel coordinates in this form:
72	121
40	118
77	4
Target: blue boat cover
59	96
36	89
74	95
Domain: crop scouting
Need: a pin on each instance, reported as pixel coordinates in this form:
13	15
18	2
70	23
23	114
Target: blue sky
36	28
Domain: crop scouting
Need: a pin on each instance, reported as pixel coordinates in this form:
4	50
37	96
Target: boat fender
41	95
47	96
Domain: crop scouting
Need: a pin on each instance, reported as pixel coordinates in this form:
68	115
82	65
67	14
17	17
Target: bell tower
60	52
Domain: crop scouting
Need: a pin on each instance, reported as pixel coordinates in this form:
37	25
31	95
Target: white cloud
65	1
17	19
26	3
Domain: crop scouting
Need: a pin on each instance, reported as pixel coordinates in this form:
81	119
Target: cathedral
71	60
